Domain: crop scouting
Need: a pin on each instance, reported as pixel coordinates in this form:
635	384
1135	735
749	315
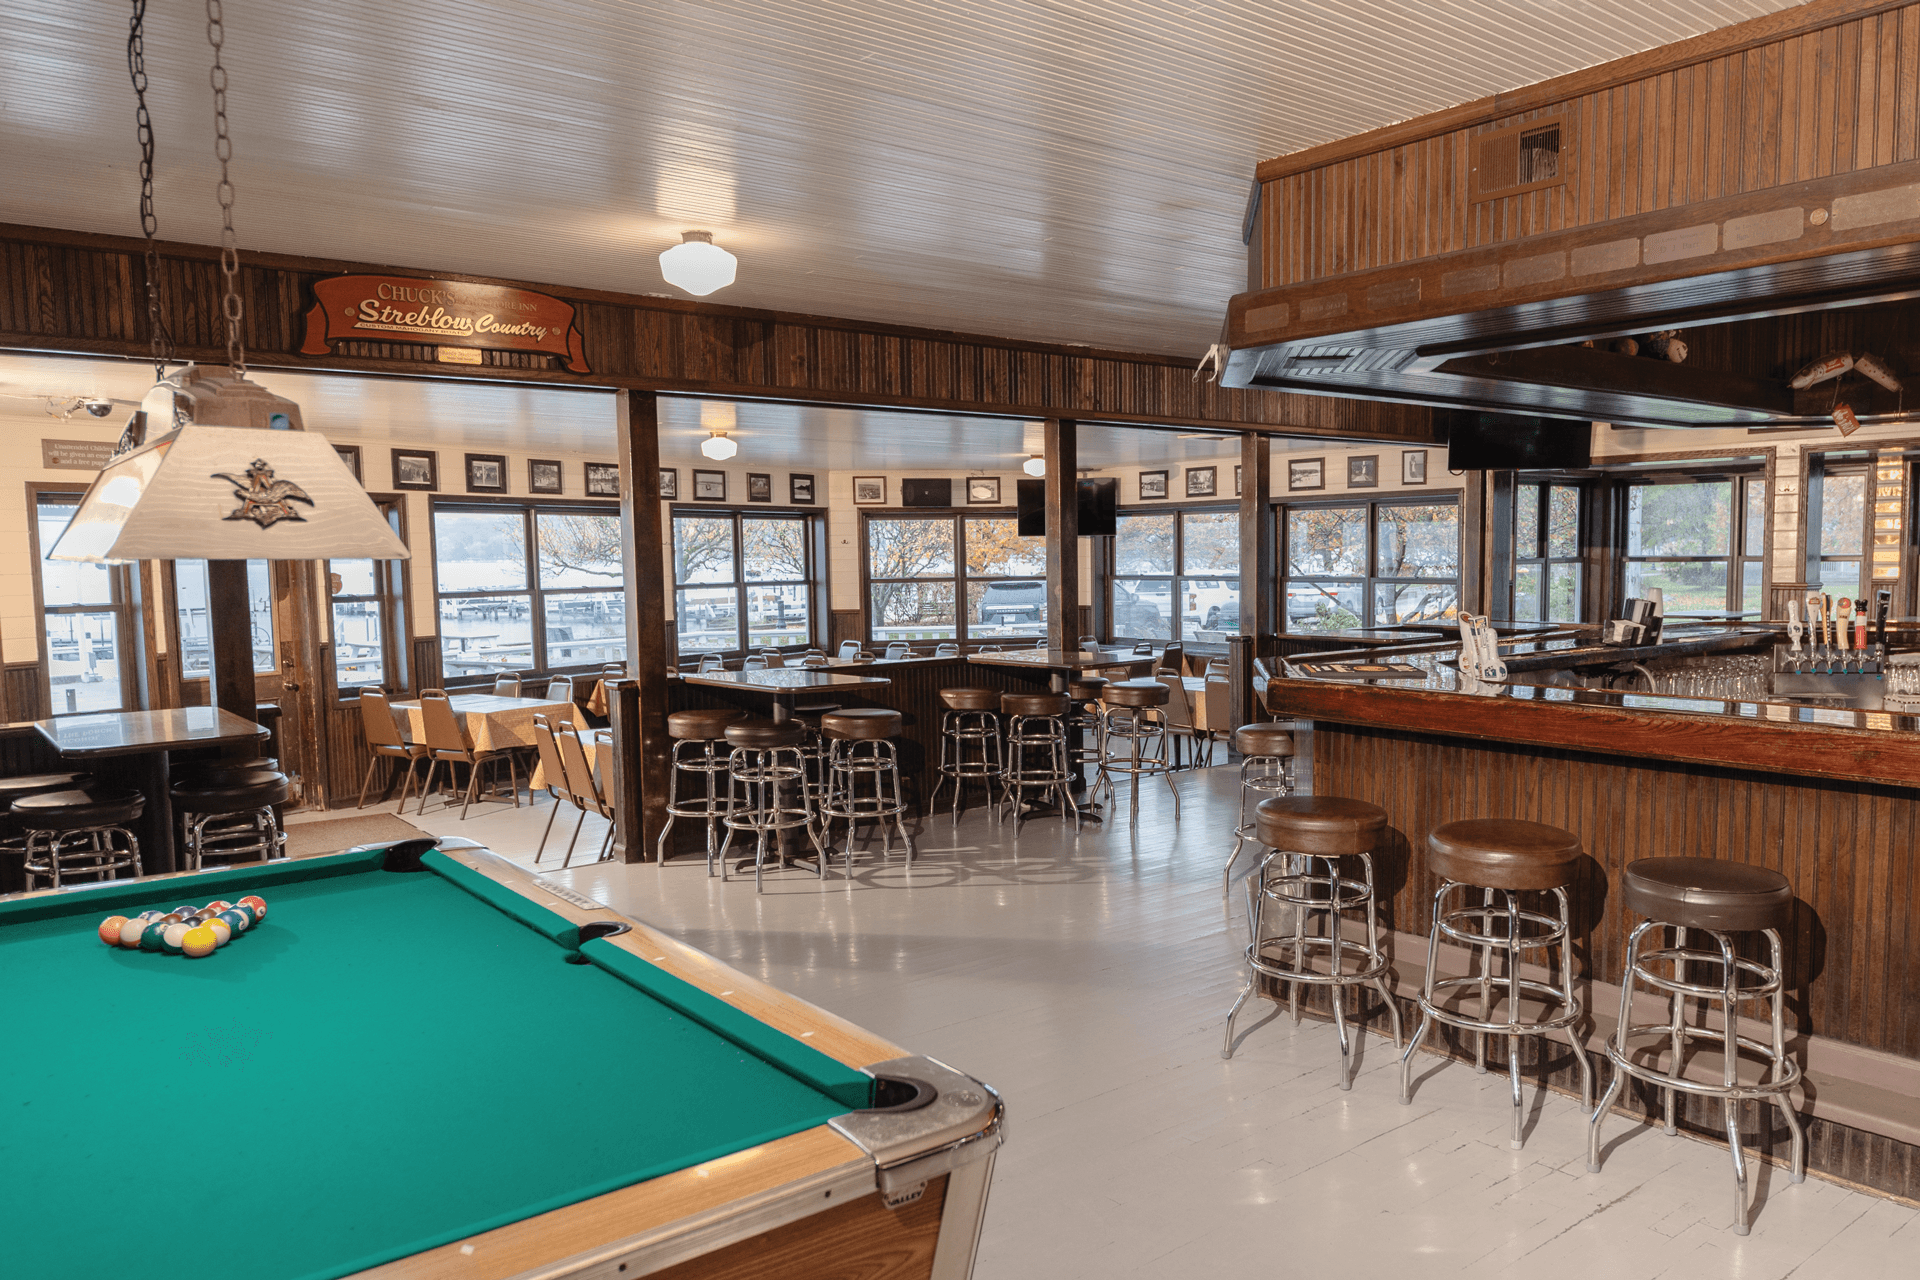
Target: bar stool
814	751
860	745
1718	899
98	817
971	719
1509	857
1037	726
1129	715
1300	831
13	841
702	731
230	813
1266	768
1084	693
765	761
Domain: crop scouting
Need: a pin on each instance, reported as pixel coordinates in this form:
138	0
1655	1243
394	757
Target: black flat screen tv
1514	442
1099	507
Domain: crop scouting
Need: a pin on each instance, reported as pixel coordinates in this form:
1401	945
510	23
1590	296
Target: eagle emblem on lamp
264	500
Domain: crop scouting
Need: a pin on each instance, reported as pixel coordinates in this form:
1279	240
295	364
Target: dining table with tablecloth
492	723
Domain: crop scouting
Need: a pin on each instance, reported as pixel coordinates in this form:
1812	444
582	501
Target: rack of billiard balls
188	931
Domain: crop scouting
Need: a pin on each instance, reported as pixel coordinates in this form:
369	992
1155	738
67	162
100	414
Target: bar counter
1828	796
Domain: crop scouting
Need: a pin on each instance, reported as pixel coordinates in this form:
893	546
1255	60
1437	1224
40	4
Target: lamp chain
223	151
160	340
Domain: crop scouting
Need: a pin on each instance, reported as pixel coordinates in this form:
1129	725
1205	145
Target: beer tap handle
1793	625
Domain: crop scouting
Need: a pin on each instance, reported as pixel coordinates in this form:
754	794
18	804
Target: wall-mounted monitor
1514	442
926	493
1099	507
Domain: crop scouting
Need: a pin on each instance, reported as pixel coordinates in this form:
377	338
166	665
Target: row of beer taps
1838	639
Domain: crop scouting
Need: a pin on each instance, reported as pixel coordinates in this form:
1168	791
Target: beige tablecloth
492	723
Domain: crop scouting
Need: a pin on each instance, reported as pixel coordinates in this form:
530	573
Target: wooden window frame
126	644
814	522
1370	579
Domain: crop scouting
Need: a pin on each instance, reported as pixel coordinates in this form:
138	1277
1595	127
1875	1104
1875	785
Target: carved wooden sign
448	313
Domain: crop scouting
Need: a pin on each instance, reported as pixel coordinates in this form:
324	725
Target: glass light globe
1035	466
697	264
718	447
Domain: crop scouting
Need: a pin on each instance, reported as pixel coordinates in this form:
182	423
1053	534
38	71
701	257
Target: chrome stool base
1134	728
232	835
48	859
1474	928
711	808
1288	958
1274	777
1045	737
849	760
765	773
960	730
1741	980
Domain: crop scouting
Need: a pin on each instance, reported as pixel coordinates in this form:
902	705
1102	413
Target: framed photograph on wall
486	473
1413	466
983	491
416	469
670	483
1203	482
1306	473
870	490
350	454
1153	484
759	487
709	486
603	479
800	490
1364	472
544	476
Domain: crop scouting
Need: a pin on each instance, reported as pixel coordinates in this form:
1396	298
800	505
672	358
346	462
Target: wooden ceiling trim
64	291
1818	16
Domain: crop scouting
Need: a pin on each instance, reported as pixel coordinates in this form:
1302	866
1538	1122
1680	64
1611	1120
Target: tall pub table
131	747
1061	666
783	685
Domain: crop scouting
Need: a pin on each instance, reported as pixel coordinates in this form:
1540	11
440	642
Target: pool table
429	1062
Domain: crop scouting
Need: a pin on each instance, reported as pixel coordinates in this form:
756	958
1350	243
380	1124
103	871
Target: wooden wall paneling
22	684
424	668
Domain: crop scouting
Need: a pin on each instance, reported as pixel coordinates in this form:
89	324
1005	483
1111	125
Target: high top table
138	743
1061	666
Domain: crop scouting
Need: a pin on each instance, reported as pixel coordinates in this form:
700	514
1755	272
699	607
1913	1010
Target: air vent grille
1540	155
1523	158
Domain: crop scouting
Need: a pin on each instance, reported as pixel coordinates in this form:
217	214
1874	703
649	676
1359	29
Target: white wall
20	437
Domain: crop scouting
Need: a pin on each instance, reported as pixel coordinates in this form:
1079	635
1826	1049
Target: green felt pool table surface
388	1062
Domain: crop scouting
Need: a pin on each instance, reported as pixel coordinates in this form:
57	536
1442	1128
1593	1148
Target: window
85	623
190	604
1684	539
954	578
1176	576
1546	553
1371	564
742	581
1843	532
525	588
366	617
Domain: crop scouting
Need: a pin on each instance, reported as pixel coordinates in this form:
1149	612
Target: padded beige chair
447	741
385	741
754	662
614	671
583	786
560	689
849	649
711	662
554	770
507	686
1179	713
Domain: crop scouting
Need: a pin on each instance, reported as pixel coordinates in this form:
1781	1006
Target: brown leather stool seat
1325	826
812	711
701	726
1262	740
34	783
227	773
1034	704
1135	693
1087	688
1504	853
79	810
970	699
861	724
260	791
764	735
1707	893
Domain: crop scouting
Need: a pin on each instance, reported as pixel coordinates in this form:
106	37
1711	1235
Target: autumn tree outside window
1361	564
1176	576
953	577
1701	541
1546	553
742	581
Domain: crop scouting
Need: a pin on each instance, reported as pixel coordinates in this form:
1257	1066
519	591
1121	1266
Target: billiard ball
110	930
198	941
219	904
258	904
222	931
236	920
150	936
170	937
130	932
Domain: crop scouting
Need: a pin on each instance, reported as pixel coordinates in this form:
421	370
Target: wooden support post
640	738
1259	581
1063	533
230	627
1500	550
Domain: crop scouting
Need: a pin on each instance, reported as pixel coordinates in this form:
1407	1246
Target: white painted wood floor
1087	979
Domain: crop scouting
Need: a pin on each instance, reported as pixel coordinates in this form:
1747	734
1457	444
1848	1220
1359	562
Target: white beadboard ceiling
479	416
1067	171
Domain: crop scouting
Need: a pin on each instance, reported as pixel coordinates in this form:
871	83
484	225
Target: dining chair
946	651
1173	659
816	660
583	786
560	689
507	686
711	662
385	740
447	741
1179	714
849	648
554	772
1090	643
754	662
614	671
898	650
1144	647
1215	711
